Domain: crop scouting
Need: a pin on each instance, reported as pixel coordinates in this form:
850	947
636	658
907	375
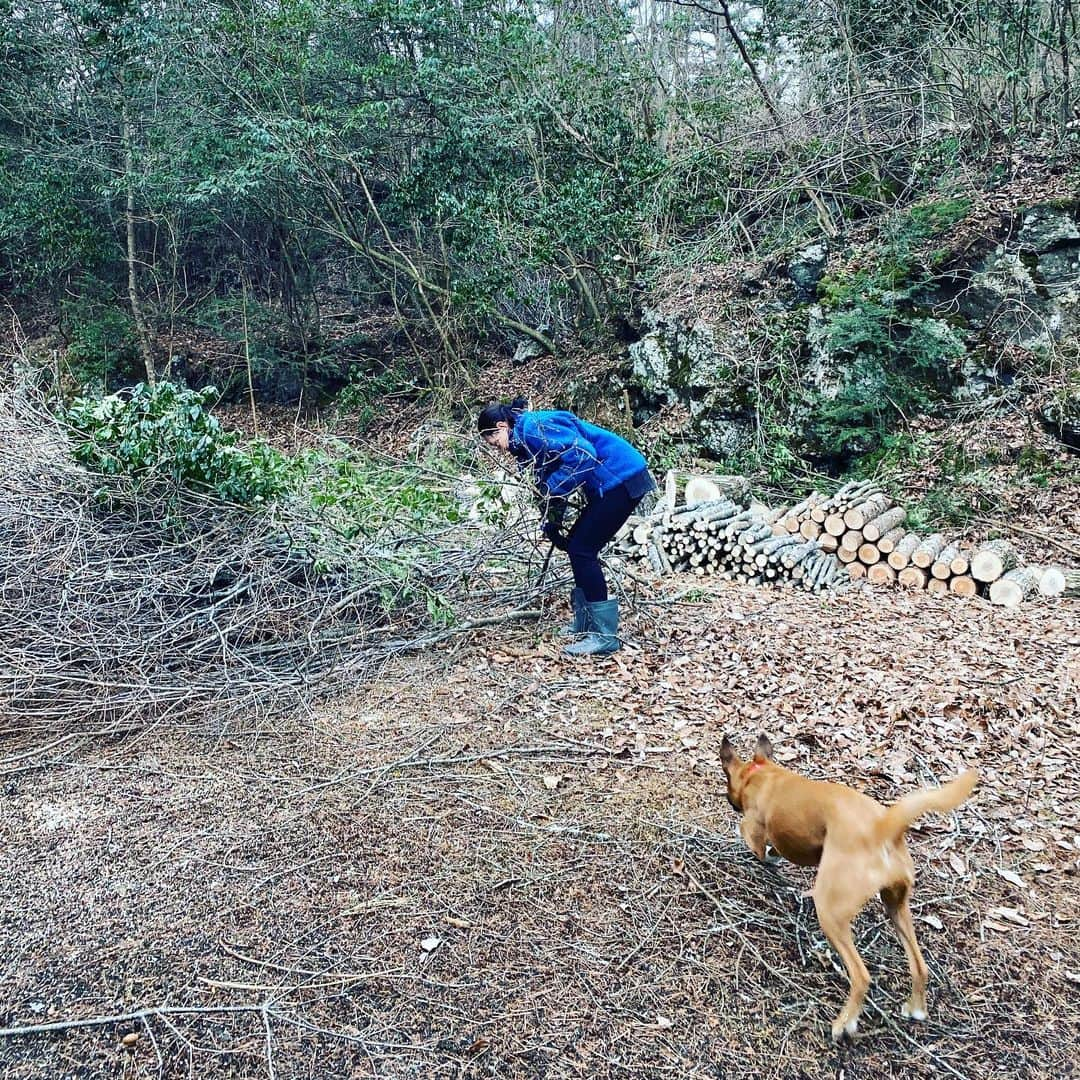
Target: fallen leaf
1011	914
933	920
1012	877
551	782
431	943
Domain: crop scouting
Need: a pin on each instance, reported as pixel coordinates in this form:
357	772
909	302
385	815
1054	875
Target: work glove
552	532
553	509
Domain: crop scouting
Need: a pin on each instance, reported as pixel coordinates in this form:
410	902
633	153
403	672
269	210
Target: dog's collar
752	768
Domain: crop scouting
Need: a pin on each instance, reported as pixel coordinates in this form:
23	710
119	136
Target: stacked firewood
857	533
725	538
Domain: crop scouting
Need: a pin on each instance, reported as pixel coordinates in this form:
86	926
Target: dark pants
597	524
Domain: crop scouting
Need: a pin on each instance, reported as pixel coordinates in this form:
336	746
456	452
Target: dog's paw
842	1029
913	1012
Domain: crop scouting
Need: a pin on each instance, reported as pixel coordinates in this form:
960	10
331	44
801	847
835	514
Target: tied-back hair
496	412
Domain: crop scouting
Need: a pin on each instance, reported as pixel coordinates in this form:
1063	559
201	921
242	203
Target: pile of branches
120	607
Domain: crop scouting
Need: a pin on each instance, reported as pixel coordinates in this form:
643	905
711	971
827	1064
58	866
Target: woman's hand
552	533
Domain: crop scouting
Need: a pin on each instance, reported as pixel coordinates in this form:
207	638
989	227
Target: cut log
912	577
801	510
695	485
852	539
941	567
961	562
834	524
1012	588
828	542
869	554
900	555
963	585
877	527
937	587
642	532
925	554
858	516
846	555
881	574
993	560
889	541
856	570
810	529
1051	581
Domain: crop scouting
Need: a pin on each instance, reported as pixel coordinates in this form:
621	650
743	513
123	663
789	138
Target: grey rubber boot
602	637
580	625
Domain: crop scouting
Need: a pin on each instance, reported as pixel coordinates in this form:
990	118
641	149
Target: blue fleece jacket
566	452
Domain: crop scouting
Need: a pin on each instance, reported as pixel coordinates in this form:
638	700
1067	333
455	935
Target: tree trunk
961	562
1072	583
1051	581
132	255
925	554
963	585
858	516
889	541
941	567
912	577
869	554
900	556
881	574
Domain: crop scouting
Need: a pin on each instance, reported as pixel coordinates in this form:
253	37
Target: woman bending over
566	453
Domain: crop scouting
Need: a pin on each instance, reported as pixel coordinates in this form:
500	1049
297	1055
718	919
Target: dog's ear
763	749
728	757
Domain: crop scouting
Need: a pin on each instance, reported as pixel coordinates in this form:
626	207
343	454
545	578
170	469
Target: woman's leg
599	522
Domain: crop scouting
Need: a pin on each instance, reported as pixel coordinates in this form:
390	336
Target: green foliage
102	350
45	232
366	391
166	434
358	497
894	361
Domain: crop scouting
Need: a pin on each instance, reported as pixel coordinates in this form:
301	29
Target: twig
124	1018
1012	527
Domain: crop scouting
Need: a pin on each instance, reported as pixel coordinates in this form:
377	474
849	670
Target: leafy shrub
102	350
166	433
357	497
894	359
362	396
284	361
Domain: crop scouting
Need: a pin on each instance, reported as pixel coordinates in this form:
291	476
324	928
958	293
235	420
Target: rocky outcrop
1023	292
679	362
1026	291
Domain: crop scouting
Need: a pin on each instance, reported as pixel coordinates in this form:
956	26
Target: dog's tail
947	797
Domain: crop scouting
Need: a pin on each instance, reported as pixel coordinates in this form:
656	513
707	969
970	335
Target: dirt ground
495	861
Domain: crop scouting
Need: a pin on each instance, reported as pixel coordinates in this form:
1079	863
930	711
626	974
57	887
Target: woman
565	453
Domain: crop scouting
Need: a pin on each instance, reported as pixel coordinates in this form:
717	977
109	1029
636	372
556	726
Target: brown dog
858	846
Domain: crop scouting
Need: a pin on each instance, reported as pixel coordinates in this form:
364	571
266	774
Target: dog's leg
895	899
753	832
836	906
